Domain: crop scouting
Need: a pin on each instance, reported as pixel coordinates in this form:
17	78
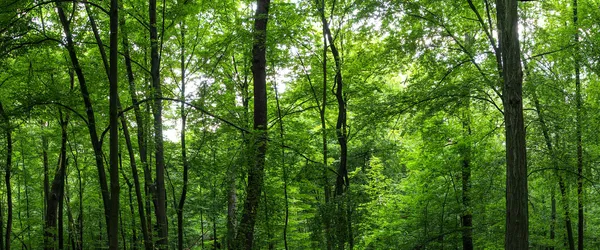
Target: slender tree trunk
467	216
284	168
256	173
61	209
91	120
326	215
161	210
555	163
79	245
578	101
9	204
552	219
45	163
183	146
517	235
54	196
144	220
343	228
1	227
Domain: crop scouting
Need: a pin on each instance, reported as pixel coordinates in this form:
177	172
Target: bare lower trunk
245	235
91	123
9	204
54	197
517	235
161	208
467	216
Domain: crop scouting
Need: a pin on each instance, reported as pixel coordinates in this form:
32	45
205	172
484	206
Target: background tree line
299	124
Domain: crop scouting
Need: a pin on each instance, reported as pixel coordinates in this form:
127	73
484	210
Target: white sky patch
172	127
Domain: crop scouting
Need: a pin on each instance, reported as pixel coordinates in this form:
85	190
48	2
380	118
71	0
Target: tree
256	173
517	225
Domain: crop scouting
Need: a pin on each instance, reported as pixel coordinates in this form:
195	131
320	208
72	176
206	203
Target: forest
299	124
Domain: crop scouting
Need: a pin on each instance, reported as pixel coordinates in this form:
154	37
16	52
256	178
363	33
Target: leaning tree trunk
256	173
517	235
91	120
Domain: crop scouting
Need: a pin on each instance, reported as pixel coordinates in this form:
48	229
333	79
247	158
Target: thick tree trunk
161	208
9	204
245	235
517	235
113	226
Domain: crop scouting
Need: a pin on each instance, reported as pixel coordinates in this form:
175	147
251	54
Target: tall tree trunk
9	204
91	120
326	213
256	173
516	235
183	146
561	182
342	184
284	169
467	216
113	231
578	101
161	209
143	214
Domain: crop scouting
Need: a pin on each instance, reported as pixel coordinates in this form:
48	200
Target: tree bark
329	237
9	204
467	216
342	184
578	103
50	232
113	226
161	209
245	235
143	214
183	145
516	235
91	120
561	182
284	169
